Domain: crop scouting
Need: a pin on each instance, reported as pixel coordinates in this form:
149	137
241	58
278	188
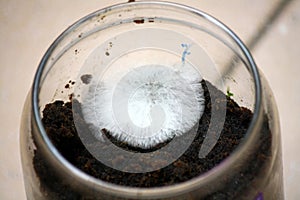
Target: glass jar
154	33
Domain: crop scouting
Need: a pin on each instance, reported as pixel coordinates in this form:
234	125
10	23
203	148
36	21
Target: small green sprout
229	94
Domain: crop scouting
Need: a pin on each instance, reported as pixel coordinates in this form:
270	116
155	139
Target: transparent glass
148	32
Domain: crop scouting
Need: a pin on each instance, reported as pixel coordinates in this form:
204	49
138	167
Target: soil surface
58	120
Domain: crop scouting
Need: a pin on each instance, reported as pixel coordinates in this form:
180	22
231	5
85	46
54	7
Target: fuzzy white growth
146	105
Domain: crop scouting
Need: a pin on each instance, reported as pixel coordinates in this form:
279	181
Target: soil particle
86	78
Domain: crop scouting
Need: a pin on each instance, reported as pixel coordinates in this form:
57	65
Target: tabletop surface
270	28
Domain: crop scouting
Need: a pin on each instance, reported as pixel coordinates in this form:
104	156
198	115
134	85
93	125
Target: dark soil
139	21
59	124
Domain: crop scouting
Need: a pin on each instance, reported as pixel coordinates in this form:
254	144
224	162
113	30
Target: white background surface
27	28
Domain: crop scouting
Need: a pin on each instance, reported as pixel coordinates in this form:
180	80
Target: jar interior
134	30
140	35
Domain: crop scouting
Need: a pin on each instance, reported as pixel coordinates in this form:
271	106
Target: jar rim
165	191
